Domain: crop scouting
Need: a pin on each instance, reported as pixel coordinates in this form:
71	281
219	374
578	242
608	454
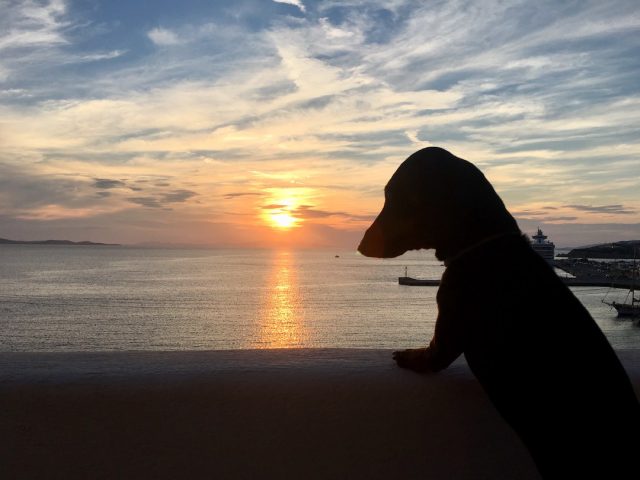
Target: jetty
418	282
570	282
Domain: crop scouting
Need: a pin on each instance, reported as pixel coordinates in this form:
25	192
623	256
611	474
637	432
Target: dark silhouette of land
544	363
5	241
624	249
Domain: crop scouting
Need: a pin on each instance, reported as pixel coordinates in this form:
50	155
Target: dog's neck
449	259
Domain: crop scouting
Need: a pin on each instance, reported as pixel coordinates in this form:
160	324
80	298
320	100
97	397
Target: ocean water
75	298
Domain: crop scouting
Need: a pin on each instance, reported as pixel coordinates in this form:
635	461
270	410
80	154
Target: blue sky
211	121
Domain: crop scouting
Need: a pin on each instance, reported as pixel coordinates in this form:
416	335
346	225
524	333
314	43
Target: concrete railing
301	414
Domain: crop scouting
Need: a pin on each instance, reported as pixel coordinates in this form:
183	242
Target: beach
289	413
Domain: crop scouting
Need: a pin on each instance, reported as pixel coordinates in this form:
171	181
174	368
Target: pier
418	282
570	282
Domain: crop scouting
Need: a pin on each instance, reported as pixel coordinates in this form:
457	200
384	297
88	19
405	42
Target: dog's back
541	358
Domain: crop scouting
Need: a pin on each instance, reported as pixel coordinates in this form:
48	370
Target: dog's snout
372	244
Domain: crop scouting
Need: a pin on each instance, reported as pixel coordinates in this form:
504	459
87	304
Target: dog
538	354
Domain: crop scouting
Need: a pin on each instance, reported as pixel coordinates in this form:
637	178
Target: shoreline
327	413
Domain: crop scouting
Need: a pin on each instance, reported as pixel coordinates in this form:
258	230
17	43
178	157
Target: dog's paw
416	359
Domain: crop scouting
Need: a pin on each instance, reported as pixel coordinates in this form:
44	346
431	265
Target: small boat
631	306
627	309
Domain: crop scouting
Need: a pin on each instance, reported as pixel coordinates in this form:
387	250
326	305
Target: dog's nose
372	244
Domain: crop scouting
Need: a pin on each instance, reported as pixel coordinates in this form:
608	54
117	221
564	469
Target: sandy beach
250	414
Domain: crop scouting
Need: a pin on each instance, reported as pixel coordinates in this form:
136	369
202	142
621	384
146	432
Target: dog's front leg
446	345
416	359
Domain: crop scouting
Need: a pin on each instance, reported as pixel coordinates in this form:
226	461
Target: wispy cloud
232	195
178	196
295	3
163	37
94	57
32	24
150	202
608	209
106	183
309	212
542	97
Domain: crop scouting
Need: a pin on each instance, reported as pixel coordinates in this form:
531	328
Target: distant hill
607	250
5	241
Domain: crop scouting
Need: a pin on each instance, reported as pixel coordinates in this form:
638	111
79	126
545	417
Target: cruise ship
545	248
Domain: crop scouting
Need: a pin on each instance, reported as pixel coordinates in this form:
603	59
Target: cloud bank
214	112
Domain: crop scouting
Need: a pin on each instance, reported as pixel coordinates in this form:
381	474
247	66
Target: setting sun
284	207
283	219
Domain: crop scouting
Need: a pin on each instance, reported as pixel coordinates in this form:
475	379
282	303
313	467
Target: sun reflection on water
282	322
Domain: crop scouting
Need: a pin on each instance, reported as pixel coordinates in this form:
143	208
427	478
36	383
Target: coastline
330	413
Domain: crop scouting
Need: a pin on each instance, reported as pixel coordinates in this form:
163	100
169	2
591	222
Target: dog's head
435	200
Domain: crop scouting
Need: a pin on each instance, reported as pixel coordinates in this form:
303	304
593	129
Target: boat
631	306
542	246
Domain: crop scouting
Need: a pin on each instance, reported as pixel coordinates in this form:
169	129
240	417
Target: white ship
545	248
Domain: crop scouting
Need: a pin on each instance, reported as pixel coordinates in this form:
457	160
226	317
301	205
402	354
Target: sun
282	219
280	213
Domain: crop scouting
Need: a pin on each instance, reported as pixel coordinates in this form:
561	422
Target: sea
110	298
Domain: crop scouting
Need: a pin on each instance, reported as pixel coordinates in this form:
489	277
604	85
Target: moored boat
631	306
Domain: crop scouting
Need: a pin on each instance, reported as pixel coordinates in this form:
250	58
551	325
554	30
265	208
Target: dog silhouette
536	351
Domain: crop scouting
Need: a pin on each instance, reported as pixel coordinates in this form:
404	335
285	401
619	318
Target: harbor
623	283
574	272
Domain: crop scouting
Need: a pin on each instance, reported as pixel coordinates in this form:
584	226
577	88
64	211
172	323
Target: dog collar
465	251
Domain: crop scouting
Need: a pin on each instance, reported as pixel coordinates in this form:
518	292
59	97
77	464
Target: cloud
560	219
579	234
309	212
163	37
295	3
29	32
149	202
94	57
231	195
546	104
607	209
178	196
108	183
28	24
163	200
275	206
35	193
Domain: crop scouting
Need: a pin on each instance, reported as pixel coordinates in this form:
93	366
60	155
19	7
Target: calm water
59	298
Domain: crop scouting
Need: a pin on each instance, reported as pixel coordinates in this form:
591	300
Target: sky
260	123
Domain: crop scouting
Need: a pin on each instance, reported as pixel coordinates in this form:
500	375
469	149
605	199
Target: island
623	249
6	241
